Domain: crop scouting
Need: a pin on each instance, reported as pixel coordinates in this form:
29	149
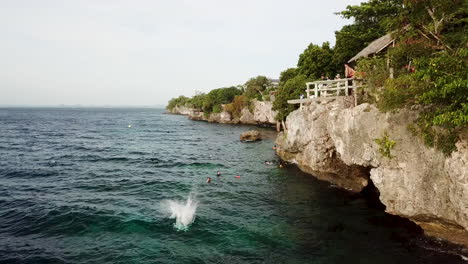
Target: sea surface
129	186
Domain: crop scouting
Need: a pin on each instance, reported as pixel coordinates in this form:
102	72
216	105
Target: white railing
330	87
327	89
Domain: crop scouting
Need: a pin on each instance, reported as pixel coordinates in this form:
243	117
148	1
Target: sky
143	53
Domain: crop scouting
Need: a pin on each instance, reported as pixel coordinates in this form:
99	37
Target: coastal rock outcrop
250	136
223	117
181	110
338	143
261	112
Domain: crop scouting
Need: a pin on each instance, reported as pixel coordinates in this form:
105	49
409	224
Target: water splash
183	212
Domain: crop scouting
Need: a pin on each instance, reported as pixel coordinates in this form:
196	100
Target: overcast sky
135	52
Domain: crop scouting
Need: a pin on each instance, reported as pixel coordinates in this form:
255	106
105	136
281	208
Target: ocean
129	186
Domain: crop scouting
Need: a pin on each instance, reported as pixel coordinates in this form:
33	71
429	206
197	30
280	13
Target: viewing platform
327	90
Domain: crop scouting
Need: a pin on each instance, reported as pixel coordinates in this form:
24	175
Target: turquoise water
81	186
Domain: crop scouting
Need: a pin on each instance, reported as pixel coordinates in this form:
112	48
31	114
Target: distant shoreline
80	107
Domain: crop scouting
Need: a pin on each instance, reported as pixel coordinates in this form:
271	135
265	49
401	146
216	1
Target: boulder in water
250	136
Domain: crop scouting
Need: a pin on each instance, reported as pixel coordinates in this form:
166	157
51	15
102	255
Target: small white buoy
129	126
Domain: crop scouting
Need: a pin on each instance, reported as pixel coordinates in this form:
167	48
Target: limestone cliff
262	113
337	142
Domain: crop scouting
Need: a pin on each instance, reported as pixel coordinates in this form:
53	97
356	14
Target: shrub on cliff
197	101
215	98
429	67
179	101
440	85
235	108
255	87
292	89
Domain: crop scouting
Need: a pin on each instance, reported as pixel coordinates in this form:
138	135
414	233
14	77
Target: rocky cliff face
181	110
262	114
336	142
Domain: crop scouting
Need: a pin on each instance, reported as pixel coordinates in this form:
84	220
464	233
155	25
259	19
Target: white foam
183	212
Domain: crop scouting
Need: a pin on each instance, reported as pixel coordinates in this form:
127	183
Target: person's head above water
218	173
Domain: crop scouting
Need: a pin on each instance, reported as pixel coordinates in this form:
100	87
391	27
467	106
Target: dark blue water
80	186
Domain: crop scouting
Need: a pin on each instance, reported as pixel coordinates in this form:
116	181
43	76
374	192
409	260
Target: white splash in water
183	212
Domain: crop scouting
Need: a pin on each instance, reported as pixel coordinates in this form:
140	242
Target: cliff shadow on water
370	210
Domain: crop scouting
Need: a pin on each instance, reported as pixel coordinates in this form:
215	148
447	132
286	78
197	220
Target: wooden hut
375	47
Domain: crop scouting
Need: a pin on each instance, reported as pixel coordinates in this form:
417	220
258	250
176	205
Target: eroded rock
250	136
337	143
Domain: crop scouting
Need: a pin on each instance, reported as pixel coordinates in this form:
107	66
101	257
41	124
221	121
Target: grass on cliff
385	145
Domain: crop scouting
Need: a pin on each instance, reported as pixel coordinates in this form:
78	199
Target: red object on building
349	72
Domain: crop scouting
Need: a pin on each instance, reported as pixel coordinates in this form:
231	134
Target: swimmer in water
218	173
208	180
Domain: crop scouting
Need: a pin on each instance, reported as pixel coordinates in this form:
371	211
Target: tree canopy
255	87
291	89
429	64
316	61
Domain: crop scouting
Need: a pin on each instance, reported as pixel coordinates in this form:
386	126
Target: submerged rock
250	136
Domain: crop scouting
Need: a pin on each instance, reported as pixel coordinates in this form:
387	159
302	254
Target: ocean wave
28	173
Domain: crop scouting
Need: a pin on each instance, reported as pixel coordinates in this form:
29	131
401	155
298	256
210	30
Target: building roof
375	46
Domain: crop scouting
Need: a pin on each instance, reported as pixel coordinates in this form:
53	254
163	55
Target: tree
431	37
287	75
179	101
433	19
215	98
372	20
255	86
292	89
350	40
316	61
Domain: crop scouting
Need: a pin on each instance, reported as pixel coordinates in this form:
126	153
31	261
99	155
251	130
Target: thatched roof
375	46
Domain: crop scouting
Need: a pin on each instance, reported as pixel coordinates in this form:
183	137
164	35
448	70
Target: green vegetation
290	89
217	97
208	103
371	21
212	102
235	108
316	61
385	145
257	88
428	64
179	101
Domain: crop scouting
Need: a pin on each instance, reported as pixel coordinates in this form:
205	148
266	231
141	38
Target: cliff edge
338	143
